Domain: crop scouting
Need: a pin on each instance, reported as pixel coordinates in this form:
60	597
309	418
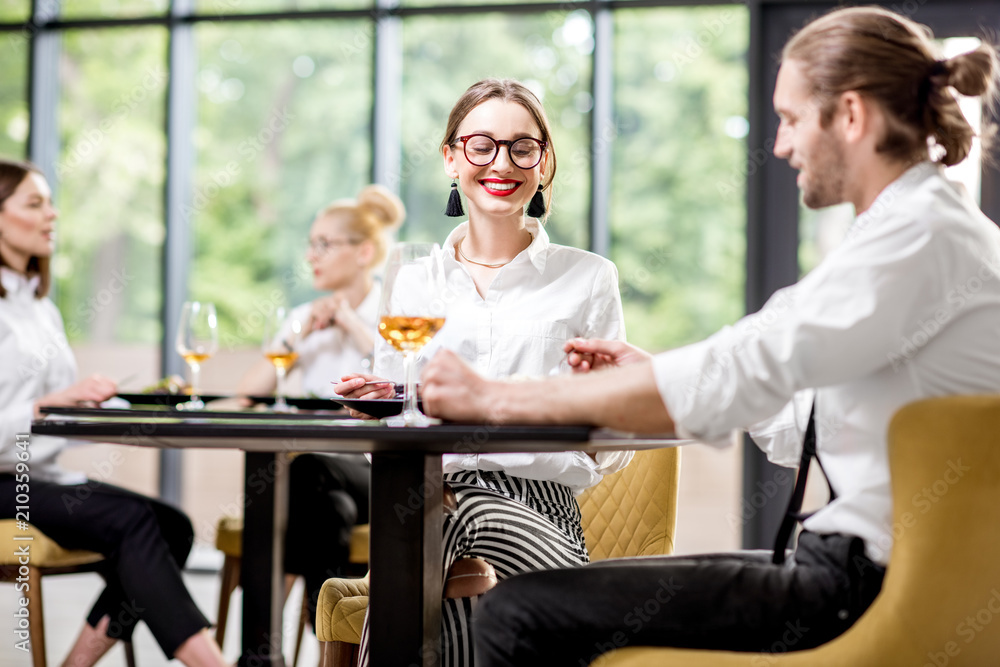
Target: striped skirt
517	525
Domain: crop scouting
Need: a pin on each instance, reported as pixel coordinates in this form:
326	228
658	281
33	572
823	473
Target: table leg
405	592
265	515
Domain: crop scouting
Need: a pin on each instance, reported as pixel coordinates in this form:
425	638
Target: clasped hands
328	311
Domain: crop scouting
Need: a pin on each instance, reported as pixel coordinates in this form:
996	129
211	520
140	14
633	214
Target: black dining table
405	515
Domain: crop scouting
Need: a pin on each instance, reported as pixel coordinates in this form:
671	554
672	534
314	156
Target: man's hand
586	355
619	398
452	390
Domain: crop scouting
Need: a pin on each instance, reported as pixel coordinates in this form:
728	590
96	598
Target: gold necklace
488	266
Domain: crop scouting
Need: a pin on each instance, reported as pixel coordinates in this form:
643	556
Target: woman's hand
368	387
586	355
323	313
335	311
332	311
361	385
87	392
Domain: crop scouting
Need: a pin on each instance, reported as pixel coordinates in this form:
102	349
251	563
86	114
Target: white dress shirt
35	360
546	295
327	354
907	307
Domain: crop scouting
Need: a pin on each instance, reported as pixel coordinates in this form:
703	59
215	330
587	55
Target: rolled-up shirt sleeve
605	316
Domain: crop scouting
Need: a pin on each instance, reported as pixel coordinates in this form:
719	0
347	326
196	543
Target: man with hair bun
868	116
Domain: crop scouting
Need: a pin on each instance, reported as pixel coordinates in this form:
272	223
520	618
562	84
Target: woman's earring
454	209
536	208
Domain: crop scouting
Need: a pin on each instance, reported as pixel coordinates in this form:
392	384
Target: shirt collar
888	199
537	250
17	284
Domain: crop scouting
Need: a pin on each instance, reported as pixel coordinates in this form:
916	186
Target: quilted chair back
634	511
940	602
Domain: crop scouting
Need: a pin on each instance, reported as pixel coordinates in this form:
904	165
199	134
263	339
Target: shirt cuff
680	380
609	463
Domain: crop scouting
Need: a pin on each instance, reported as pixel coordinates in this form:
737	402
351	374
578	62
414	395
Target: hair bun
382	204
973	73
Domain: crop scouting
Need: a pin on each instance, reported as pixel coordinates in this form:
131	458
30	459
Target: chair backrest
940	601
634	511
942	586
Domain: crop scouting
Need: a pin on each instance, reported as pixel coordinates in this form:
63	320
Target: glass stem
279	391
195	380
410	386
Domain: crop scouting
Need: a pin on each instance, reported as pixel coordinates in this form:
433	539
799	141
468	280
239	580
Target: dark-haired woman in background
144	541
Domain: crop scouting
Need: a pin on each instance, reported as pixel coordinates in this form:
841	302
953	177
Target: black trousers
145	543
328	496
736	602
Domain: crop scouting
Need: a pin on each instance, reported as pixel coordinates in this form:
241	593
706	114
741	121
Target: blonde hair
12	174
375	211
891	60
505	90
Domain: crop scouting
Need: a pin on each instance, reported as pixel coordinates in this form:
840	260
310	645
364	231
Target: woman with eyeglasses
515	300
329	492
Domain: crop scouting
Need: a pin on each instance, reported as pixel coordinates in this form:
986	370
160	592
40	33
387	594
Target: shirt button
842	614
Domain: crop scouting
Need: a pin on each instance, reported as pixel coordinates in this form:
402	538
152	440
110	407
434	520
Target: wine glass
282	332
411	312
197	340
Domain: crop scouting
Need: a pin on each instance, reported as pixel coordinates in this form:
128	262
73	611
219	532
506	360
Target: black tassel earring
536	208
454	208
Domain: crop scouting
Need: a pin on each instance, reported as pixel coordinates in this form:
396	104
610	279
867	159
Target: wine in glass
411	312
282	332
197	341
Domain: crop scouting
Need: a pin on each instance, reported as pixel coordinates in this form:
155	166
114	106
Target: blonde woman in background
329	492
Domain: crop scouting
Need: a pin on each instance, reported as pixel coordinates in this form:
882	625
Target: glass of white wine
282	332
197	341
411	312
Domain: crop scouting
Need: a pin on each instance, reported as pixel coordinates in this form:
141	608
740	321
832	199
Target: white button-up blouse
548	294
35	360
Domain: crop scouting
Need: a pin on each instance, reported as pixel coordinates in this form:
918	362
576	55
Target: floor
67	599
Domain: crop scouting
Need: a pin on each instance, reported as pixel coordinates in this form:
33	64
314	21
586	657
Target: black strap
793	513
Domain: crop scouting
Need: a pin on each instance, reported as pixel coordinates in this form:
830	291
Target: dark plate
164	399
301	402
379	408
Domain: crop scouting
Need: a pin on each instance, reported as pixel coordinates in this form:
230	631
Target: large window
15	11
284	128
548	52
71	9
678	191
110	178
13	91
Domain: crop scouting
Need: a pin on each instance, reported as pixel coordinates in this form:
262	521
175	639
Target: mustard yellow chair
940	602
630	513
229	540
45	557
